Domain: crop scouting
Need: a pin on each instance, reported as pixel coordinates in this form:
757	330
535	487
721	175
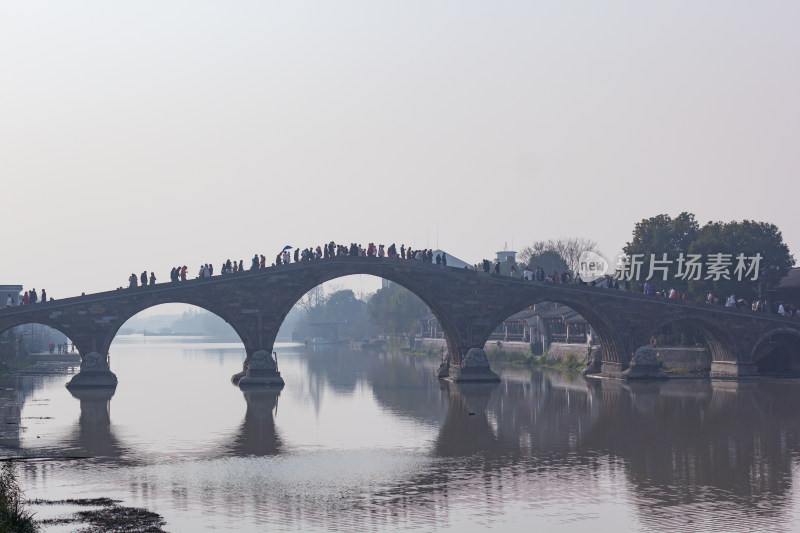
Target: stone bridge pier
88	336
95	372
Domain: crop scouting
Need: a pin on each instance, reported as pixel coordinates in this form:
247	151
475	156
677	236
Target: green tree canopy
549	260
659	235
343	306
663	234
749	238
396	310
321	311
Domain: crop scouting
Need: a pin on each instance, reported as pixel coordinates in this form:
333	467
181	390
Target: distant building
452	261
507	259
507	256
787	291
10	290
540	325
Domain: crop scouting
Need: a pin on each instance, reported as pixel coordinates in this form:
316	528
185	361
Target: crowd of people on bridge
758	305
133	280
372	250
611	282
299	255
30	297
332	250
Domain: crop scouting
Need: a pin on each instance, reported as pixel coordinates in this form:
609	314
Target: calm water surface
364	442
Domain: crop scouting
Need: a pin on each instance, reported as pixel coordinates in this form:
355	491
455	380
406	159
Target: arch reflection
257	435
94	435
466	429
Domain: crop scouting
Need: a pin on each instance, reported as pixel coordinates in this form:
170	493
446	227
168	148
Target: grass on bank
570	361
9	367
13	517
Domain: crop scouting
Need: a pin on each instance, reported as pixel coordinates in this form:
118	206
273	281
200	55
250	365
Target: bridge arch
134	310
10	326
611	344
718	337
778	351
320	273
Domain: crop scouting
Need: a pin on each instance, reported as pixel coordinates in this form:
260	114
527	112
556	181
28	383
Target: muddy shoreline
105	515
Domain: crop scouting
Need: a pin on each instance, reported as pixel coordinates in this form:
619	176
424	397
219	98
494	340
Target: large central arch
429	299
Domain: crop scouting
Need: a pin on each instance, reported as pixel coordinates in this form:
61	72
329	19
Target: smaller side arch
613	348
78	342
719	340
777	351
134	310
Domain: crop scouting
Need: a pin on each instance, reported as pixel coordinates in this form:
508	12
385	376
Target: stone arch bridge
469	306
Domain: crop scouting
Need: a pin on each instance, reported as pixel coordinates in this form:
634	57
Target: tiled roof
791	280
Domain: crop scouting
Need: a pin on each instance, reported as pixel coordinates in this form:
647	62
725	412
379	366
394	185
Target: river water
373	442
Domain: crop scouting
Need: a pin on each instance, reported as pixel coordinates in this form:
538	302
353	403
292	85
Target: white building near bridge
14	291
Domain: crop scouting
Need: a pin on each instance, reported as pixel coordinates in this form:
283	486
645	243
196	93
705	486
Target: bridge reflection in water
680	443
683	454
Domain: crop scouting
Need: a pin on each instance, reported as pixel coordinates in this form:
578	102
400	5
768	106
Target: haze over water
363	442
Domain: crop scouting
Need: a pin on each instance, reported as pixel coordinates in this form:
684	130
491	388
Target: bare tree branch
569	249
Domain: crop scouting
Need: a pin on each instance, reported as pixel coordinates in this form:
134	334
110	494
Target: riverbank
7	368
676	361
560	355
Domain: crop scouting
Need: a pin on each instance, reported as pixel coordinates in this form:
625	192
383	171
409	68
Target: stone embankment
676	359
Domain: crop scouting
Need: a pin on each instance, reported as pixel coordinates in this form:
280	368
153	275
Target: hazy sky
142	135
